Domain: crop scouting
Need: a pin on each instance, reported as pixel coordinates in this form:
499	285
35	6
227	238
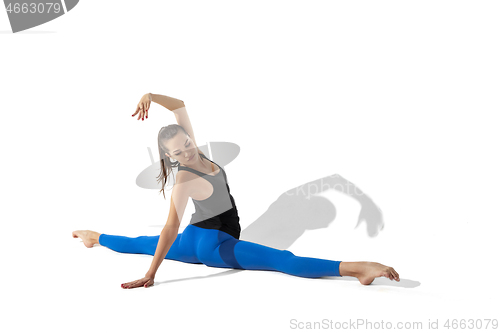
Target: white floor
445	268
379	113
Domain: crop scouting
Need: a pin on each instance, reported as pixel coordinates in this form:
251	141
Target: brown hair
166	133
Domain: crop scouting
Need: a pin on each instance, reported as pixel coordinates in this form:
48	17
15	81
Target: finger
137	283
140	115
140	282
132	285
136	110
127	285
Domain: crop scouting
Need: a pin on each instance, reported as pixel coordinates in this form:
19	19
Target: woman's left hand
143	106
144	282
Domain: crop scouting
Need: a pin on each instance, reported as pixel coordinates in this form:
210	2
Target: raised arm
173	104
144	104
179	109
168	102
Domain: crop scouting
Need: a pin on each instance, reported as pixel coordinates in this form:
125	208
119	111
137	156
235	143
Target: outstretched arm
178	202
169	233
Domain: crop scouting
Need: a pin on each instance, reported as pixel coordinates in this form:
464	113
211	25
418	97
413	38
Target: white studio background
400	98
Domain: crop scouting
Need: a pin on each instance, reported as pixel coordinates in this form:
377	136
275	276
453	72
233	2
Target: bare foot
88	237
370	270
366	271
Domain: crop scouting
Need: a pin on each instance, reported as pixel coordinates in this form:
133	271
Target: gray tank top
219	210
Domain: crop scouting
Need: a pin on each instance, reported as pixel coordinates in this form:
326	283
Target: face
181	148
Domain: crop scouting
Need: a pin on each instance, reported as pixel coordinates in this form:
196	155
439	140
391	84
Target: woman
212	237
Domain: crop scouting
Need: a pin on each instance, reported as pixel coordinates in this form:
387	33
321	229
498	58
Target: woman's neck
200	164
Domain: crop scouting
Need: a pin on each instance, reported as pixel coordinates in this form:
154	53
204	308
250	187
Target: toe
395	274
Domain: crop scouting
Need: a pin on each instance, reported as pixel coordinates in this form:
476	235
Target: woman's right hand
144	282
143	106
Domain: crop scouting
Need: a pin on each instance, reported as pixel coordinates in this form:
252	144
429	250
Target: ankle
96	238
349	268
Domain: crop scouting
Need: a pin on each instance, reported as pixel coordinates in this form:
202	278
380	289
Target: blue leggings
217	248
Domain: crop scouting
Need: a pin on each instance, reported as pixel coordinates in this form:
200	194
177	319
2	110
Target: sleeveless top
219	210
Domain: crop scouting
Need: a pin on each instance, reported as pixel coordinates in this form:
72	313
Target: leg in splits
181	250
219	249
216	248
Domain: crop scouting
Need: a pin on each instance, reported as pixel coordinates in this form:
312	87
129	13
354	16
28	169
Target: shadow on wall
300	209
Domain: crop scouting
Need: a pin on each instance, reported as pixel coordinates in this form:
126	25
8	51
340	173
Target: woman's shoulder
183	175
186	179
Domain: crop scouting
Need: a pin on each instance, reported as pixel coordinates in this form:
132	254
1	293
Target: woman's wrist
150	275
